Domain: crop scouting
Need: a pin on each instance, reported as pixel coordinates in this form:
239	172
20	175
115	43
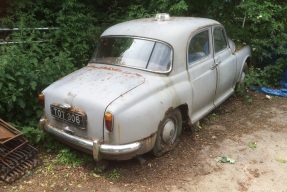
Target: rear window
135	53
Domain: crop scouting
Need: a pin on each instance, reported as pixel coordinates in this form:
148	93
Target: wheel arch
184	110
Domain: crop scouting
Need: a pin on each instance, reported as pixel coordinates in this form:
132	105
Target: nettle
26	68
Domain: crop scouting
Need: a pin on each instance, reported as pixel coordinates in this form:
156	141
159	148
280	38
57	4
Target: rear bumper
95	147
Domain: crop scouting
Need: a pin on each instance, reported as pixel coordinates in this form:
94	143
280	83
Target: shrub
269	76
26	69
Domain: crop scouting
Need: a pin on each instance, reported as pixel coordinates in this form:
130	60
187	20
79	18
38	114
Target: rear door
225	64
202	74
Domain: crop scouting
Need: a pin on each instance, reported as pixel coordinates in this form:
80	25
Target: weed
197	126
99	170
114	174
66	156
213	117
243	92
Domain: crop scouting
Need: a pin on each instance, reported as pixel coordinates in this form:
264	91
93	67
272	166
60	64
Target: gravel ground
249	138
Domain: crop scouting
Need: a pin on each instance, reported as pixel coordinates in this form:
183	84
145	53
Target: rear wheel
242	75
168	133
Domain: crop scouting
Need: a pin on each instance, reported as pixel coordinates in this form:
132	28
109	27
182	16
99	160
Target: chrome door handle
217	63
213	66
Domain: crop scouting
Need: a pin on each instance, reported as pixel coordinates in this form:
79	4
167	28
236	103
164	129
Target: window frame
140	38
222	29
208	29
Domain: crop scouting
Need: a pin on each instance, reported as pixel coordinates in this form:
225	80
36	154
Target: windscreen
135	53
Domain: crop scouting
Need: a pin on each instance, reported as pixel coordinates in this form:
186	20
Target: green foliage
52	145
266	26
268	77
29	131
33	135
77	31
26	69
67	156
114	174
243	92
252	145
173	7
99	170
41	57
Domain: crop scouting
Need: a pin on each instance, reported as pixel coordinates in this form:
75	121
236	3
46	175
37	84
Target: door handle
213	66
217	62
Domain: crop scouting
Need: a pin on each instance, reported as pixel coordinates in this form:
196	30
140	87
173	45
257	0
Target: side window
198	47
219	39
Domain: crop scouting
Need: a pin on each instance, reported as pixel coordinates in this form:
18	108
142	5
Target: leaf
9	77
33	85
252	145
14	98
22	104
280	160
21	81
225	159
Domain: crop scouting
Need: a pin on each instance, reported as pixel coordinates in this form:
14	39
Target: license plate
69	116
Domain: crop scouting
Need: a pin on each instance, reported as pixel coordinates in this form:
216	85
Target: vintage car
147	79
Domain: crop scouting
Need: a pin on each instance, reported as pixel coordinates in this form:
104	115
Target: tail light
109	121
41	99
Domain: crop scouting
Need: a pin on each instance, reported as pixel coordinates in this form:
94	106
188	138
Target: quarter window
198	47
219	40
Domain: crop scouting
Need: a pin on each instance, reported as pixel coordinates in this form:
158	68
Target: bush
269	76
26	69
41	57
266	26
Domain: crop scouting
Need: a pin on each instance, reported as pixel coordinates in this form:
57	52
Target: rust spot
73	109
149	141
7	132
114	69
169	110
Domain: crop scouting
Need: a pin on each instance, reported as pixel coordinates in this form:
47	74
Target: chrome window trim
194	63
142	38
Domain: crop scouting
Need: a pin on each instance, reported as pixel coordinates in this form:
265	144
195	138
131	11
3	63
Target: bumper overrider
97	148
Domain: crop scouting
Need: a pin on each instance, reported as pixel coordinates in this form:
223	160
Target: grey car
147	78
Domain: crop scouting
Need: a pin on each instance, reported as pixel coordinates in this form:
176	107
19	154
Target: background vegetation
43	56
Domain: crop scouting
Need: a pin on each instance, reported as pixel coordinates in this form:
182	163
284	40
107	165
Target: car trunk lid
86	93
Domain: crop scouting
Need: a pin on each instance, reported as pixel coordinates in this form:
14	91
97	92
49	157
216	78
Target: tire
169	130
243	73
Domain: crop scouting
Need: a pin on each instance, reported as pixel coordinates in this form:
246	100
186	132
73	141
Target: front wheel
168	133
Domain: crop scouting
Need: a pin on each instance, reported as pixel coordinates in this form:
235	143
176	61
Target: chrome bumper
98	149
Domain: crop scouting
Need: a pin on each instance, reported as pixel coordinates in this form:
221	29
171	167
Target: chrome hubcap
168	132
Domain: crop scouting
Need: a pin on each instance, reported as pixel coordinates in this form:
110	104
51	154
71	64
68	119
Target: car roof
166	31
176	31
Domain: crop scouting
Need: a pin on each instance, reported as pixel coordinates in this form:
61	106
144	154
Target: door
225	64
202	74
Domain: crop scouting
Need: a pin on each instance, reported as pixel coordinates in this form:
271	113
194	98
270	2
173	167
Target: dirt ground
253	135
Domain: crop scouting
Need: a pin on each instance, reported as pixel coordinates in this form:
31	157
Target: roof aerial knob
162	17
